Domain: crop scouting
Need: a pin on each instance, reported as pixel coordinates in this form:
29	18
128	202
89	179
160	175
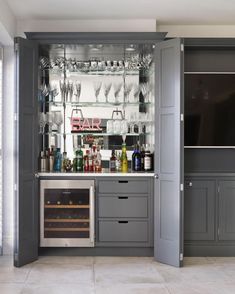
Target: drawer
123	231
123	206
123	186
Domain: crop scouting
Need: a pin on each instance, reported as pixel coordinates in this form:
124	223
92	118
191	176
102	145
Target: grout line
93	266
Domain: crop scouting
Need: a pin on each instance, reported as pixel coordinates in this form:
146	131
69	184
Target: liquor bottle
64	161
142	155
42	162
98	161
86	161
124	160
147	159
112	162
79	157
118	162
58	159
136	159
51	159
91	163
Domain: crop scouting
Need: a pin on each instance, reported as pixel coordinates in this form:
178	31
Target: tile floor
117	275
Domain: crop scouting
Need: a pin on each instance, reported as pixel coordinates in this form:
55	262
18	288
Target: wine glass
97	86
136	92
42	121
58	119
145	91
117	88
127	90
78	88
50	120
107	88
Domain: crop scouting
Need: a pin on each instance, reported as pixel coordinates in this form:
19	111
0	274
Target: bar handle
122	197
122	182
123	222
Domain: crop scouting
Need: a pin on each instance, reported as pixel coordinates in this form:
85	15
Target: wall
7	24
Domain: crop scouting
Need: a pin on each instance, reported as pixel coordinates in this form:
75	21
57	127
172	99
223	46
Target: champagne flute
97	86
42	122
117	88
107	88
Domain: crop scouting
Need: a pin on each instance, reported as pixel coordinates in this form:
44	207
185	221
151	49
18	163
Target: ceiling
164	11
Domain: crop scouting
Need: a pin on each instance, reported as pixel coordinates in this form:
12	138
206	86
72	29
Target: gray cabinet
199	209
227	210
125	212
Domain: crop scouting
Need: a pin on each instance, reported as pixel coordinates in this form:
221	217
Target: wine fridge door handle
92	215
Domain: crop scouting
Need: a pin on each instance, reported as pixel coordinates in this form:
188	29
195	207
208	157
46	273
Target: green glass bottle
79	157
124	160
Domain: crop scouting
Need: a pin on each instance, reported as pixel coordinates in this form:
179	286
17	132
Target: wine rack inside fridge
67	213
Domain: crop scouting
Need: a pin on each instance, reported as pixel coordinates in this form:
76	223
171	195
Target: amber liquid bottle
124	160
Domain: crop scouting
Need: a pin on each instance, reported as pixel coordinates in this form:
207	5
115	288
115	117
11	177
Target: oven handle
92	215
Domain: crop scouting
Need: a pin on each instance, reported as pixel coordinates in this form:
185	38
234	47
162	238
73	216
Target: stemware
63	90
107	88
145	91
136	92
42	121
127	89
58	119
97	86
70	91
117	88
78	88
50	120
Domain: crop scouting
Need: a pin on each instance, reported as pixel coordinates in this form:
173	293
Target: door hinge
16	257
15	187
15	116
218	189
16	47
218	232
181	187
181	257
182	47
181	117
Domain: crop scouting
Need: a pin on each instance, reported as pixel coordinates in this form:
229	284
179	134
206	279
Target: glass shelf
97	104
93	134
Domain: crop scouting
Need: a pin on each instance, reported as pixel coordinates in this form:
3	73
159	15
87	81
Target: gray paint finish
26	201
199	209
227	210
168	230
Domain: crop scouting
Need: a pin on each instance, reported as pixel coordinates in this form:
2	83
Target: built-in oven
67	213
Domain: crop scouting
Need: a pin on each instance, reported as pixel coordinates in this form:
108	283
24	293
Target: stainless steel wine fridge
67	213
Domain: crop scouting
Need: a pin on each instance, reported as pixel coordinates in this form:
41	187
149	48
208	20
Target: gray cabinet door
168	229
227	210
26	209
199	210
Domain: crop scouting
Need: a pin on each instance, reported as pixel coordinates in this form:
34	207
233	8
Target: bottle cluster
53	160
119	161
142	158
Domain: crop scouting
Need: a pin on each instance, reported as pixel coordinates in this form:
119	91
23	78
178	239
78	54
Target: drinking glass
117	126
58	119
145	91
127	89
117	88
124	127
50	120
107	88
97	86
78	88
42	121
109	127
136	92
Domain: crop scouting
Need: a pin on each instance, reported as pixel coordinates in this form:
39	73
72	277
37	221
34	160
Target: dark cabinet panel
199	209
227	210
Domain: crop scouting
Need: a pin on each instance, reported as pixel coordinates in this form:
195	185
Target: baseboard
209	250
97	251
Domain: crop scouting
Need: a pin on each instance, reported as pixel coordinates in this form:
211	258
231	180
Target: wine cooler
67	213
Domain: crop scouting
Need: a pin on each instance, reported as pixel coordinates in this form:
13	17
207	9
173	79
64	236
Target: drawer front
123	231
123	206
124	186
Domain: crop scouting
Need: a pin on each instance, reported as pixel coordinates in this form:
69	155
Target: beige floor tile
58	289
121	259
79	260
11	288
45	274
11	274
127	273
132	289
201	288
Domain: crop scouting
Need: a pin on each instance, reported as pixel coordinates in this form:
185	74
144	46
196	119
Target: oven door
67	213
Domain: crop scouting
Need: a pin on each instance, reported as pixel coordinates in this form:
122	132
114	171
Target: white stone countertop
104	173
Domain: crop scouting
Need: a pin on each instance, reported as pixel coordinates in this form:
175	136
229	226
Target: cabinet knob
156	176
190	184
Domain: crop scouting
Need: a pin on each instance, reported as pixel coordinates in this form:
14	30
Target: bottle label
112	165
147	163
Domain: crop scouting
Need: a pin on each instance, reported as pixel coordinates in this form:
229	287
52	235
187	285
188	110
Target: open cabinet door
26	153
168	201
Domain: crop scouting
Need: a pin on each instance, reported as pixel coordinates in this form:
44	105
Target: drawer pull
122	197
123	222
122	182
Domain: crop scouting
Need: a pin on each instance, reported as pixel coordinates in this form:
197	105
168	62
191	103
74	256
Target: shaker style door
168	201
26	154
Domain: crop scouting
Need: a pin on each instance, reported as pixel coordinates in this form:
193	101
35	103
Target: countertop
104	173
